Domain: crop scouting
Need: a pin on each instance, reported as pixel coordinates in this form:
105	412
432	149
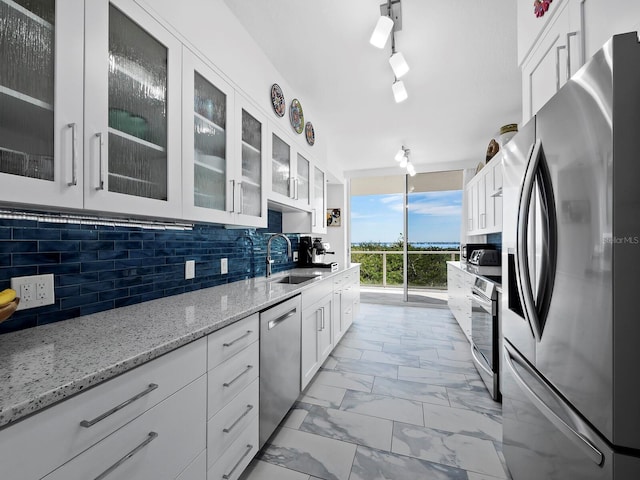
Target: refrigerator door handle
570	432
523	279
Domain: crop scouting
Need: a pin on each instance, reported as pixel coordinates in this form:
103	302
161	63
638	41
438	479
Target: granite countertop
477	270
43	365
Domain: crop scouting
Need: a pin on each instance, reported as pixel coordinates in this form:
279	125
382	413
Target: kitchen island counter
46	364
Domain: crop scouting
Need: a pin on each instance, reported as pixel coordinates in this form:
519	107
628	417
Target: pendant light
381	32
398	64
399	91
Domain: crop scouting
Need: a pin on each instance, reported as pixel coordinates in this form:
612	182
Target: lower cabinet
459	285
346	302
158	444
317	340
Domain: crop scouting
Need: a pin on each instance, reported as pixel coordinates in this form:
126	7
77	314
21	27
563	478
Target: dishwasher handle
275	322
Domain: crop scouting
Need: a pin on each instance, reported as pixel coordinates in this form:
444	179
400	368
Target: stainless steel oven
485	334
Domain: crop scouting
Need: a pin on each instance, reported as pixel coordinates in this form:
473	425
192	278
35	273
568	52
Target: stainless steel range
485	333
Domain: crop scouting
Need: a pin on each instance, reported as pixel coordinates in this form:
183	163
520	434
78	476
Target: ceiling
464	81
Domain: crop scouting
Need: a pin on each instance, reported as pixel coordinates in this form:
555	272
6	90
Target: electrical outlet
189	269
295	256
34	291
224	266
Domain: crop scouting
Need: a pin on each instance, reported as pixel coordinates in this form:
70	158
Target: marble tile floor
399	398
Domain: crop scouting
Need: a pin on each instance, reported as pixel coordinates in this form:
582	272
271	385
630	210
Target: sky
433	217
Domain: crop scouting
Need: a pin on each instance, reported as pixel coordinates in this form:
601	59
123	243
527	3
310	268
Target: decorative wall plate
277	100
296	117
310	133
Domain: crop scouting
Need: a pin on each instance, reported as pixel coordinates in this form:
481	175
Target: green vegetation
424	270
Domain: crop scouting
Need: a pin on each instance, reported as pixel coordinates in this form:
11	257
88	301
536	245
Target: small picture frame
333	217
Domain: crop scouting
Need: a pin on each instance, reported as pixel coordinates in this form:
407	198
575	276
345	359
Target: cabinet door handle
244	414
90	423
319	328
246	370
246	452
569	35
150	438
74	154
561	47
249	332
233	195
100	173
322	317
282	318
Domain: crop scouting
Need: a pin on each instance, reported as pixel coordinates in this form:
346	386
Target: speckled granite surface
43	365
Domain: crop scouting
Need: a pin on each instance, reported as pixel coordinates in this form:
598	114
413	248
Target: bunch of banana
7	296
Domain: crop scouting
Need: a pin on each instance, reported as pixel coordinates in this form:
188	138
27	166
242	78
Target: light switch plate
189	269
224	266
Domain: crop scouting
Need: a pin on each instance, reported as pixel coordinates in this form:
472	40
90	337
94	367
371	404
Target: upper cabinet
132	112
318	221
41	117
484	199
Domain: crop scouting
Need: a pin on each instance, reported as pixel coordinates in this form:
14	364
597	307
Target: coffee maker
313	251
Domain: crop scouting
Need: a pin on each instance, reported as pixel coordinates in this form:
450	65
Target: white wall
210	29
337	236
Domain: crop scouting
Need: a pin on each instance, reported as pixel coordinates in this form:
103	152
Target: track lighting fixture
403	158
389	23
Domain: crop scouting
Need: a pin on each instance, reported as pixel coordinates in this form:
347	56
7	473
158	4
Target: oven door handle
484	303
478	360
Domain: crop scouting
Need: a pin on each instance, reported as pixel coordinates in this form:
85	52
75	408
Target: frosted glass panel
281	166
137	110
210	145
251	165
303	178
318	188
26	88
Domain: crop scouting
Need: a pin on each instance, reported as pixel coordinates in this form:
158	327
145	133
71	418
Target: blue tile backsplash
98	267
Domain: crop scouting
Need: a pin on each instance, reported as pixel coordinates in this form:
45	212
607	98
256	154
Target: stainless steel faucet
269	261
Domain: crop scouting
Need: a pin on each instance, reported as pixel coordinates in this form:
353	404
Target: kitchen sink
295	279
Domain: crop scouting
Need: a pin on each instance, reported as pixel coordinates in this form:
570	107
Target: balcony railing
426	268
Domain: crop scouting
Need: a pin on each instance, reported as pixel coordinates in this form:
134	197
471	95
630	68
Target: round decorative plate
309	133
296	117
277	100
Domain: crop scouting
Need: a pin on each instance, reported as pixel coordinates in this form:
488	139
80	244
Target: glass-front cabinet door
208	181
251	128
318	220
41	86
281	166
132	112
302	183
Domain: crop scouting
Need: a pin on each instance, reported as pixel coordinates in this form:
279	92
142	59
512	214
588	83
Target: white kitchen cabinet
484	201
318	219
459	285
41	103
556	55
317	338
132	112
42	442
159	444
346	302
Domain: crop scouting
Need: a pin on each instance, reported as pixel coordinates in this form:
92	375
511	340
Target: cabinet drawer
229	423
225	343
231	377
238	455
316	293
40	443
159	444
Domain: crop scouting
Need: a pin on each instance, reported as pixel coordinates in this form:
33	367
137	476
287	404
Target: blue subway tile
96	307
112	254
123	302
5	222
127	282
96	287
58	245
75	279
114	235
35	234
146	288
78	257
5	233
114	294
142	236
97	266
60	269
10	272
77	234
68	291
18	323
96	245
14	246
128	245
58	316
145	297
78	301
174	291
35	258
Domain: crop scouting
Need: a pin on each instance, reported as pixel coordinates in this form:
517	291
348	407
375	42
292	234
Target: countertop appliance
467	250
485	333
483	257
280	334
570	268
313	252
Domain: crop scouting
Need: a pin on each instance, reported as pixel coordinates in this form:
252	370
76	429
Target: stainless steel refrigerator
571	278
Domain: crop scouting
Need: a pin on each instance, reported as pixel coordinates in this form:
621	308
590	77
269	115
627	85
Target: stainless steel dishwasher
280	328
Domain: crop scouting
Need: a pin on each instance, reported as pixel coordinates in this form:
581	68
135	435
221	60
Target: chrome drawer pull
244	414
249	332
274	323
228	475
228	384
89	423
74	154
151	437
